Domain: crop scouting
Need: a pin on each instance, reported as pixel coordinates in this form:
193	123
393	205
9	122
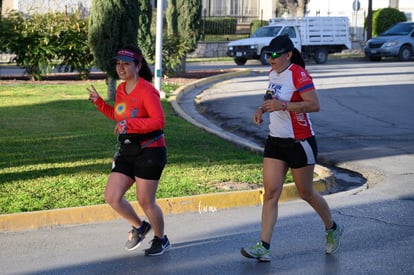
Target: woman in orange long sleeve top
136	112
142	156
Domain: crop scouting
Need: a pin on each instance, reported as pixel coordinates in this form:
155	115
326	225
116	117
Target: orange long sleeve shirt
138	112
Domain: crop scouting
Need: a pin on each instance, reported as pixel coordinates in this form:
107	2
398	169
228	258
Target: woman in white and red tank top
291	143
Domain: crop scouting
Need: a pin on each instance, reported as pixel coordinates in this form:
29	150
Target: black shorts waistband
278	139
137	138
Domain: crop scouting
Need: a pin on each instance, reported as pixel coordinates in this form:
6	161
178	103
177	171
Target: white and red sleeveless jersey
288	86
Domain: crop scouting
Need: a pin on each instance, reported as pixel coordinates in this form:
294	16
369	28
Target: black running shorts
296	153
147	165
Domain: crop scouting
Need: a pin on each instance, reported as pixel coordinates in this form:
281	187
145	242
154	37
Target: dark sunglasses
274	55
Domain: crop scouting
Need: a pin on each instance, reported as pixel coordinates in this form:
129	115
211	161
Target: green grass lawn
56	151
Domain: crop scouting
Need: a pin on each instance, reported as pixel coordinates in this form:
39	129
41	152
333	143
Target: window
290	31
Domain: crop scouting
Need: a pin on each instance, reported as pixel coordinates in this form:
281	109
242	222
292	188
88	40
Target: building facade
41	6
243	10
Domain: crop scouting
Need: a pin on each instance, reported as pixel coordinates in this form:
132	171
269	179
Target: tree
295	7
144	36
383	19
43	42
183	22
171	18
189	22
113	24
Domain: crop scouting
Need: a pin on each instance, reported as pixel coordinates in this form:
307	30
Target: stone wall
210	49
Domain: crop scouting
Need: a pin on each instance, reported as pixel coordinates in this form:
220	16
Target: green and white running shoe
333	239
257	252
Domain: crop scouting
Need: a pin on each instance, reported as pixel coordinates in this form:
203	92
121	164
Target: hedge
219	26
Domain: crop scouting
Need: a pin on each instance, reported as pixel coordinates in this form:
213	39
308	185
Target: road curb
200	203
212	202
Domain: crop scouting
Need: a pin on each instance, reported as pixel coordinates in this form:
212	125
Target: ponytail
297	58
145	71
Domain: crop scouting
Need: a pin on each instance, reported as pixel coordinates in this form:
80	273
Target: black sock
265	245
333	226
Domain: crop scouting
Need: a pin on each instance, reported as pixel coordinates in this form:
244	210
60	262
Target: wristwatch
284	105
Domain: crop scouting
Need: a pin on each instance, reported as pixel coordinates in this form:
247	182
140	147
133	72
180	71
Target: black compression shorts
296	153
147	165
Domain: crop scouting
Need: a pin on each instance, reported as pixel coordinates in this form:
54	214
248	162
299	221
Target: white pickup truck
314	37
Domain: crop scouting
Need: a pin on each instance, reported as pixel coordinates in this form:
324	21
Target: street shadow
297	246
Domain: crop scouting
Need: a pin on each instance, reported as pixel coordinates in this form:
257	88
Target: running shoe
257	252
136	235
158	246
333	239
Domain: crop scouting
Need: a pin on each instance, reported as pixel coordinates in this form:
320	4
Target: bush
43	41
73	51
383	19
220	25
173	50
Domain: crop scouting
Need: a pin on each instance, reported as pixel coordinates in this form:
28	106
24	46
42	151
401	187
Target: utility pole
369	20
158	47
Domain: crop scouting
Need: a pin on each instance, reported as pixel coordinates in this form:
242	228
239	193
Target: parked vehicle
397	41
314	37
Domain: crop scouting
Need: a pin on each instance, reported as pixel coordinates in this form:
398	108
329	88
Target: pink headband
128	56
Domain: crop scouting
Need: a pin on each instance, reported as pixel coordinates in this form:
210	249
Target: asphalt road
365	125
365	112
